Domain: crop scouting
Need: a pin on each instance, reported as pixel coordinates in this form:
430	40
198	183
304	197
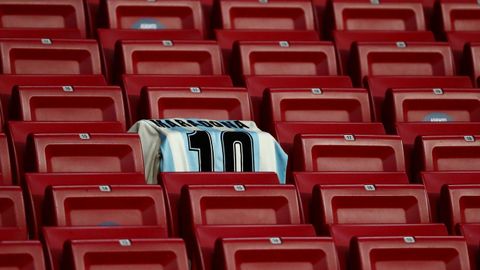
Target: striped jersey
199	145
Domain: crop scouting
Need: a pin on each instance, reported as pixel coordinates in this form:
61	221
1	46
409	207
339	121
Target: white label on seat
375	2
84	136
317	91
275	241
239	188
401	44
438	91
67	88
195	90
104	188
284	44
167	43
46	41
125	242
409	239
263	1
349	137
469	138
370	187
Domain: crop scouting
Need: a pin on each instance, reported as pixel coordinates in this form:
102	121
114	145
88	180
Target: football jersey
199	145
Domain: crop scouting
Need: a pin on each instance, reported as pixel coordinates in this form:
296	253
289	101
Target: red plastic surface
457	41
71	104
306	181
379	85
257	85
173	183
41	15
460	204
133	84
6	177
473	61
100	152
471	232
271	15
427	252
37	184
345	39
55	238
357	204
115	205
312	105
344	234
460	16
13	225
335	153
19	131
355	15
206	236
291	253
390	59
22	255
155	15
181	58
201	102
55	57
139	254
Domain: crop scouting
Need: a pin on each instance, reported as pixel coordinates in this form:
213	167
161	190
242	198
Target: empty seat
6	176
13	225
473	59
471	232
196	102
391	16
170	58
401	59
427	252
155	15
87	153
50	57
127	253
114	205
70	104
173	183
268	15
460	15
207	236
27	17
56	238
369	204
276	252
348	153
22	255
460	205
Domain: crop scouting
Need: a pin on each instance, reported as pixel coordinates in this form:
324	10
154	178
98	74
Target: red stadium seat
87	153
155	15
458	41
22	255
116	205
379	85
473	60
344	234
276	253
50	57
344	41
316	105
460	205
70	104
391	16
426	252
471	232
268	15
206	236
369	204
37	184
126	253
52	17
170	58
196	102
348	153
460	16
13	225
19	131
401	59
173	183
133	85
55	238
6	177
